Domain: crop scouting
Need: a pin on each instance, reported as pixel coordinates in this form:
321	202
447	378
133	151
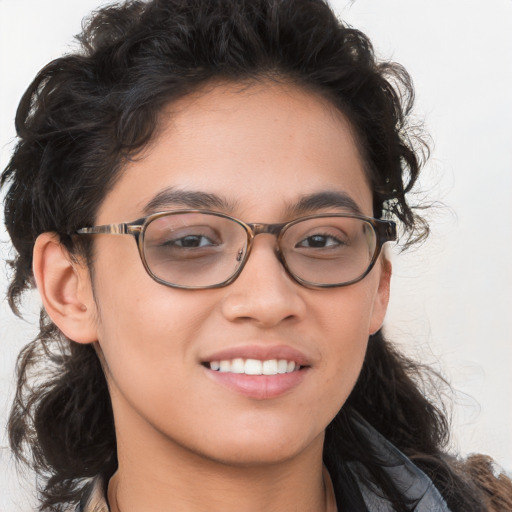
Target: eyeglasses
198	249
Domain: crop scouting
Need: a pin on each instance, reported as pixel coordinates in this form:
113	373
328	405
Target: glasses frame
385	231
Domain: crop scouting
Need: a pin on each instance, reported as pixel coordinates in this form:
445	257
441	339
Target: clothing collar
414	485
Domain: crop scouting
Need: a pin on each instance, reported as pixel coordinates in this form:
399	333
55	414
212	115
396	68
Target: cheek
154	324
147	345
143	326
133	309
344	322
346	313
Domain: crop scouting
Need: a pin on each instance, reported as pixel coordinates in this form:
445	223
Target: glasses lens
194	249
329	250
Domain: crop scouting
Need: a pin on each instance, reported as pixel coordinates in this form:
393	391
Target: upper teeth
254	366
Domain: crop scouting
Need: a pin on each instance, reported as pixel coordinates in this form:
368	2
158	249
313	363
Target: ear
65	289
381	300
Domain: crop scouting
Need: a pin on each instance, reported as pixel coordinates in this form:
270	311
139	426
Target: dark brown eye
320	242
191	241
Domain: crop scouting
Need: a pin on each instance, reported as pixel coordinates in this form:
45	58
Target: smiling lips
254	366
259	372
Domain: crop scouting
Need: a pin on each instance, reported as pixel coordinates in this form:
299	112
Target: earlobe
65	289
381	301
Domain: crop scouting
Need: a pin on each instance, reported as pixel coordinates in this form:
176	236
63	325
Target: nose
264	293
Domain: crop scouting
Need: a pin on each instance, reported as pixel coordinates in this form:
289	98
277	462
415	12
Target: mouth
254	366
257	371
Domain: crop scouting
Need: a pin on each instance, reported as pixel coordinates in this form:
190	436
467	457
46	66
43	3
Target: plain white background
451	298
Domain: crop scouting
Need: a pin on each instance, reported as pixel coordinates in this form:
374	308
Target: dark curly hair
87	113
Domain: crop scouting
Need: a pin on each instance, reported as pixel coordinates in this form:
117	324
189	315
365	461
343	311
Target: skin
185	442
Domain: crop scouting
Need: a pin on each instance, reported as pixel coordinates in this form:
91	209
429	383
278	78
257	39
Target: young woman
203	197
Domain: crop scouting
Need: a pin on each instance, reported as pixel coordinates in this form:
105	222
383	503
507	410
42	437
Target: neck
159	476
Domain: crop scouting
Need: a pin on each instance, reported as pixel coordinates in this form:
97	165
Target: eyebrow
322	200
171	197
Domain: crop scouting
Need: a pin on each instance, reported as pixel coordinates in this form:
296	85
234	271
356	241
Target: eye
186	241
191	242
321	241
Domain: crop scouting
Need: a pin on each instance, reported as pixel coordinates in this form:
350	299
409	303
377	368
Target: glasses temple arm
110	229
387	231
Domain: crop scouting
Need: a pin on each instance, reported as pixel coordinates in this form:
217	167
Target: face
258	151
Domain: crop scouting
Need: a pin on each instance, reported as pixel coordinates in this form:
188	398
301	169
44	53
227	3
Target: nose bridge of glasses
270	229
267	229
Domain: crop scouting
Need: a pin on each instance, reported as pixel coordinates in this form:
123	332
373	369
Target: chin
266	449
254	456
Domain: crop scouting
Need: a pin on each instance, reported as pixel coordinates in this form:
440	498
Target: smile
258	371
254	366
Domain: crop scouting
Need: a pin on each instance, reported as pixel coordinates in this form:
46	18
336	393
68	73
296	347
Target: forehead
260	148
